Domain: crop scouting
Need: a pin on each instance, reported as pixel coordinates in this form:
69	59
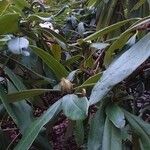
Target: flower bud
66	85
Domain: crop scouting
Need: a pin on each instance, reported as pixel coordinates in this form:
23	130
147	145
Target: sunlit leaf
121	68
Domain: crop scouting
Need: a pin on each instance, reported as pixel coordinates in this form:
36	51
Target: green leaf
141	128
60	39
4	140
116	115
9	23
34	128
51	62
138	5
17	82
17	96
121	68
75	108
122	40
108	29
111	137
118	44
56	51
42	143
96	130
4	4
92	2
21	4
90	81
72	60
20	112
79	132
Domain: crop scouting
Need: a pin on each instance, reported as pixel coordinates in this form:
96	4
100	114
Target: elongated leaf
108	29
138	5
51	62
4	4
90	81
121	68
16	81
74	107
17	96
73	59
20	112
4	140
42	143
79	132
111	137
72	74
141	128
34	128
56	51
7	106
122	40
118	44
96	130
60	39
116	115
9	23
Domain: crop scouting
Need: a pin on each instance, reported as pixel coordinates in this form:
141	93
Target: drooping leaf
74	107
20	112
111	137
9	23
116	115
16	111
108	29
141	128
51	62
25	94
123	39
34	128
121	68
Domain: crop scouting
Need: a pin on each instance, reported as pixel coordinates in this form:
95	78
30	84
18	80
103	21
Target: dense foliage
74	74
